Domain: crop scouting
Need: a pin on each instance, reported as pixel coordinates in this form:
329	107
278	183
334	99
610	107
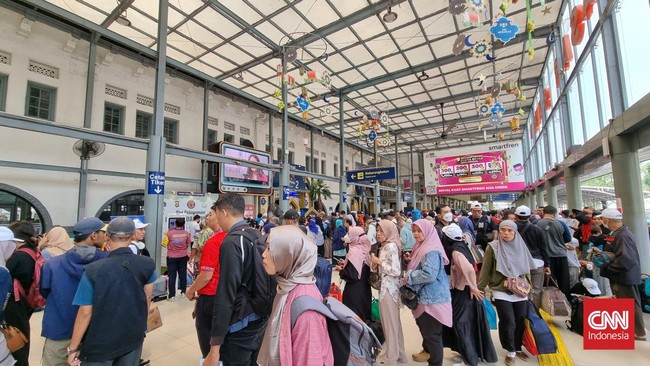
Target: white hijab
7	248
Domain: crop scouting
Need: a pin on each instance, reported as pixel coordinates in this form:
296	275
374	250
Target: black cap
291	214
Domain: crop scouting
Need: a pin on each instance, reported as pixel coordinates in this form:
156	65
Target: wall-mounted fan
88	149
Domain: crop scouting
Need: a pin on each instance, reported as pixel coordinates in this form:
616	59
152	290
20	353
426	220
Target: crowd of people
451	259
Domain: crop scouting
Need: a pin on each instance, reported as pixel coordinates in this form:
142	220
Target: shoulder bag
408	297
14	337
517	285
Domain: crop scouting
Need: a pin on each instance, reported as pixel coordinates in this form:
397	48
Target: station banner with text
490	168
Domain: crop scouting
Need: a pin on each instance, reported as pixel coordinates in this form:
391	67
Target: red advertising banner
485	172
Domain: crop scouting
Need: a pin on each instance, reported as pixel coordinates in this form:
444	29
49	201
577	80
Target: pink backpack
33	297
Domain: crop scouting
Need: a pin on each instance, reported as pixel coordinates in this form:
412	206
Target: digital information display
243	179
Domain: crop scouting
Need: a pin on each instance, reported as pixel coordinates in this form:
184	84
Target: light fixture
390	17
122	19
423	76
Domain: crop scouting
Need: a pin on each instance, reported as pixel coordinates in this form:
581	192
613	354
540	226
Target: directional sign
407	197
156	183
288	192
501	197
370	174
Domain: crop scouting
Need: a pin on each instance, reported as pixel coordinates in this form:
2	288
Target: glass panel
631	24
143	125
170	130
598	55
40	102
575	114
589	98
112	119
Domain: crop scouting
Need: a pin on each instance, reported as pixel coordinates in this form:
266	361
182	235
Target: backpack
576	324
263	290
323	274
33	297
544	338
353	342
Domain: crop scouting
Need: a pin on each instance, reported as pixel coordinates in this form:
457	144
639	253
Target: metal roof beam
63	19
119	9
449	99
331	28
540	32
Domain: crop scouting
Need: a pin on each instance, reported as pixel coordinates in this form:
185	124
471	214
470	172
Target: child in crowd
597	240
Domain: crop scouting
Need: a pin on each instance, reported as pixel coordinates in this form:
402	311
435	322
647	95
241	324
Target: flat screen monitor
244	179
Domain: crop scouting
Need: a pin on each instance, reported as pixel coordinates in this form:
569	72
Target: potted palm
318	190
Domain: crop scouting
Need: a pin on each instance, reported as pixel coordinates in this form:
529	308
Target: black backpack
576	324
263	289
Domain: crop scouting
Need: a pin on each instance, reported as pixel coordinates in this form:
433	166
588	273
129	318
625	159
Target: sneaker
522	355
422	356
171	299
510	360
640	338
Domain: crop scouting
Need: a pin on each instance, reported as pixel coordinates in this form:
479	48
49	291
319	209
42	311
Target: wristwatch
72	351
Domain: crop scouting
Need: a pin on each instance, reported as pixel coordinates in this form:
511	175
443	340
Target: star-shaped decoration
481	79
547	10
278	94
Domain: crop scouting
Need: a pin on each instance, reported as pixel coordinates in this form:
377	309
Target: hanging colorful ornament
456	7
459	45
484	109
547	99
498	109
547	10
476	5
305	115
514	124
280	107
567	52
530	26
531	53
510	85
488	100
495	90
481	49
521	112
501	135
372	136
494	120
503	7
556	71
303	103
588	6
277	94
551	38
504	29
327	80
577	25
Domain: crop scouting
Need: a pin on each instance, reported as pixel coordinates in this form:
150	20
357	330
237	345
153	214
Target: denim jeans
130	359
242	347
177	266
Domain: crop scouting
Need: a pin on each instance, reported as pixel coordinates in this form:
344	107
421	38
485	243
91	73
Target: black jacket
533	236
230	303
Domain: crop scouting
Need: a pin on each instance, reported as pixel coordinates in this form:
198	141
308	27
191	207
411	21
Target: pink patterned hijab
359	248
431	242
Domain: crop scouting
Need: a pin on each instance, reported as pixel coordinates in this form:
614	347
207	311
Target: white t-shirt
195	229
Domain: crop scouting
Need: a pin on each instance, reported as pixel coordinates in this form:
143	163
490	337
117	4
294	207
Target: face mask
346	239
448	217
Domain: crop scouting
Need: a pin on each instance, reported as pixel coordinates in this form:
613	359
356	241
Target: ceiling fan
447	131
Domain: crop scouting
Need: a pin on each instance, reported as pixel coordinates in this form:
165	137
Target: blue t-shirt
5	289
85	291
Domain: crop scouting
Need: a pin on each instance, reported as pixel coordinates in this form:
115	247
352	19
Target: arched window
17	205
129	203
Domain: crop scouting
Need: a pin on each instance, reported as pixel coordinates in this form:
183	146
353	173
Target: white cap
477	205
453	231
523	211
7	235
139	224
612	213
591	286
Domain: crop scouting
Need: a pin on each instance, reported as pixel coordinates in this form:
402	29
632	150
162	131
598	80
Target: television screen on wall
244	179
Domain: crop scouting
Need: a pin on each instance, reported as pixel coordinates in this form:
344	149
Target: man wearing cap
533	236
59	281
624	271
291	217
117	288
484	228
137	245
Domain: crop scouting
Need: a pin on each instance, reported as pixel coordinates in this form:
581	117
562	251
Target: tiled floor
175	342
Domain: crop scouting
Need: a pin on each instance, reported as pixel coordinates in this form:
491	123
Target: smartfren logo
609	324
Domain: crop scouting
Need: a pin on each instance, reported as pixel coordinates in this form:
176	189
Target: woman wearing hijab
55	242
21	266
389	267
355	270
7	248
470	335
339	242
291	257
425	275
315	234
508	257
466	225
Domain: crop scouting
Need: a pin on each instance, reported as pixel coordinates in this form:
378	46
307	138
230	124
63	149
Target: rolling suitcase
160	288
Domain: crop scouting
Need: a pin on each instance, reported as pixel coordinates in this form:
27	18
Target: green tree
645	172
606	180
317	191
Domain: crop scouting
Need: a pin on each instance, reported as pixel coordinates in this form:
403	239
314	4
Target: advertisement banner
490	168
